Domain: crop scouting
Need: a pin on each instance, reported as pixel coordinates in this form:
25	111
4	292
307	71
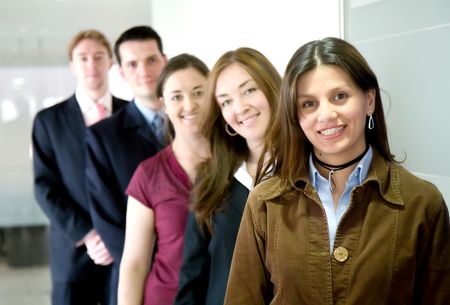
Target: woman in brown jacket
340	221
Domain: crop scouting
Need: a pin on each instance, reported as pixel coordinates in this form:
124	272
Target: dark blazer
115	147
206	257
59	186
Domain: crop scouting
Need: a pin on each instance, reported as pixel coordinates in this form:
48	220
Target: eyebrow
240	87
195	88
337	88
86	53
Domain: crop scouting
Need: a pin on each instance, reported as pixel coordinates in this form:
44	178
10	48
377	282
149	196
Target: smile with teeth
331	131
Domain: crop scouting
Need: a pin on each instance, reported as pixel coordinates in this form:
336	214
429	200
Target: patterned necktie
158	128
96	113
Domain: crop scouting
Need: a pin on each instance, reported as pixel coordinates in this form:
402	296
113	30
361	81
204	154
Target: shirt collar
243	176
85	102
148	113
360	171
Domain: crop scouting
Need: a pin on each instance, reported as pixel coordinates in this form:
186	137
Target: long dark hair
227	152
287	144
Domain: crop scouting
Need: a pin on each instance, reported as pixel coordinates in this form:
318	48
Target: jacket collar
384	174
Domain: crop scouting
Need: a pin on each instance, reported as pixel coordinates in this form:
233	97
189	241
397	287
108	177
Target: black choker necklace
334	168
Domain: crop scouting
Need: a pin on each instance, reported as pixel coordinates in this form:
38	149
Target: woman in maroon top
159	191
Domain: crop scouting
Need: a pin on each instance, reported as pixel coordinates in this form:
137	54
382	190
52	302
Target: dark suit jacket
115	147
207	258
59	186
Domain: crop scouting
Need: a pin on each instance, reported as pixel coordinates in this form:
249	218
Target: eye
340	96
307	104
198	93
250	91
99	57
225	103
176	98
132	64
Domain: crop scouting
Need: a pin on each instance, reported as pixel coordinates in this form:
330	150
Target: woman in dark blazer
242	94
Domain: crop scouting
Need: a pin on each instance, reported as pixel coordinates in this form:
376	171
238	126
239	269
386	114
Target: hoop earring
371	123
227	129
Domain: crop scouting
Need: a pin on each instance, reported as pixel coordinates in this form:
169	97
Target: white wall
409	54
208	28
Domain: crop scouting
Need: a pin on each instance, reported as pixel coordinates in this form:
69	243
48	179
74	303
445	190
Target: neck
255	152
346	168
95	95
189	152
340	166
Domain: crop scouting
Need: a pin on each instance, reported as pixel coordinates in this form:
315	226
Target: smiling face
90	63
183	94
242	103
141	65
332	113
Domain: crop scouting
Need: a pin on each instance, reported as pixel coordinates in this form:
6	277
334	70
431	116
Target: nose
189	104
143	69
91	63
240	106
326	111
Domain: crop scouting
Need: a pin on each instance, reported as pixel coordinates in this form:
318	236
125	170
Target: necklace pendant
332	182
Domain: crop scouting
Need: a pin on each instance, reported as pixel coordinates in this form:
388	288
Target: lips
331	131
249	119
190	116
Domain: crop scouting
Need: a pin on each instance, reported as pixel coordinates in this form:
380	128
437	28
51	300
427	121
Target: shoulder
415	189
260	198
119	100
156	164
398	186
57	109
268	189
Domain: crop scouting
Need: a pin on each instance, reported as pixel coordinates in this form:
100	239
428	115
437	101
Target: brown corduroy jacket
392	245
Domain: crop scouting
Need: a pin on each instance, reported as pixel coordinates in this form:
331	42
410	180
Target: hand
96	249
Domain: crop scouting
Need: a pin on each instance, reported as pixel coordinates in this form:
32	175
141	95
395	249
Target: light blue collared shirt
149	114
322	187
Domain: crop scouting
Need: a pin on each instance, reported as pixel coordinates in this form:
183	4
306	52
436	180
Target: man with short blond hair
80	262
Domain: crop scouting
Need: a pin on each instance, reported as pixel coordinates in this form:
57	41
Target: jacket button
340	254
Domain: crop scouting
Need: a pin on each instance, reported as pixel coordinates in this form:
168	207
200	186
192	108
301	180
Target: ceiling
36	32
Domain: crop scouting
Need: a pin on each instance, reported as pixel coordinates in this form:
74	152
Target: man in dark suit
79	259
117	145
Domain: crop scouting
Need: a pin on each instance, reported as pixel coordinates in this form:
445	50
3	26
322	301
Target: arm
50	191
433	267
194	274
248	282
107	208
139	244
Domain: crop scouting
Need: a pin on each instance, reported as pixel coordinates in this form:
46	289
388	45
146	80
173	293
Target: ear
370	98
121	71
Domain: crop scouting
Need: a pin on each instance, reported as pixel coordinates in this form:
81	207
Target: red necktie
95	113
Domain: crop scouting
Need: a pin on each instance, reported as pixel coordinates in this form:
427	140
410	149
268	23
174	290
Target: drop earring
371	123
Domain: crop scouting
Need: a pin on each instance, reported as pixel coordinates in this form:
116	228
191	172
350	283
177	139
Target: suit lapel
135	120
74	117
74	123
